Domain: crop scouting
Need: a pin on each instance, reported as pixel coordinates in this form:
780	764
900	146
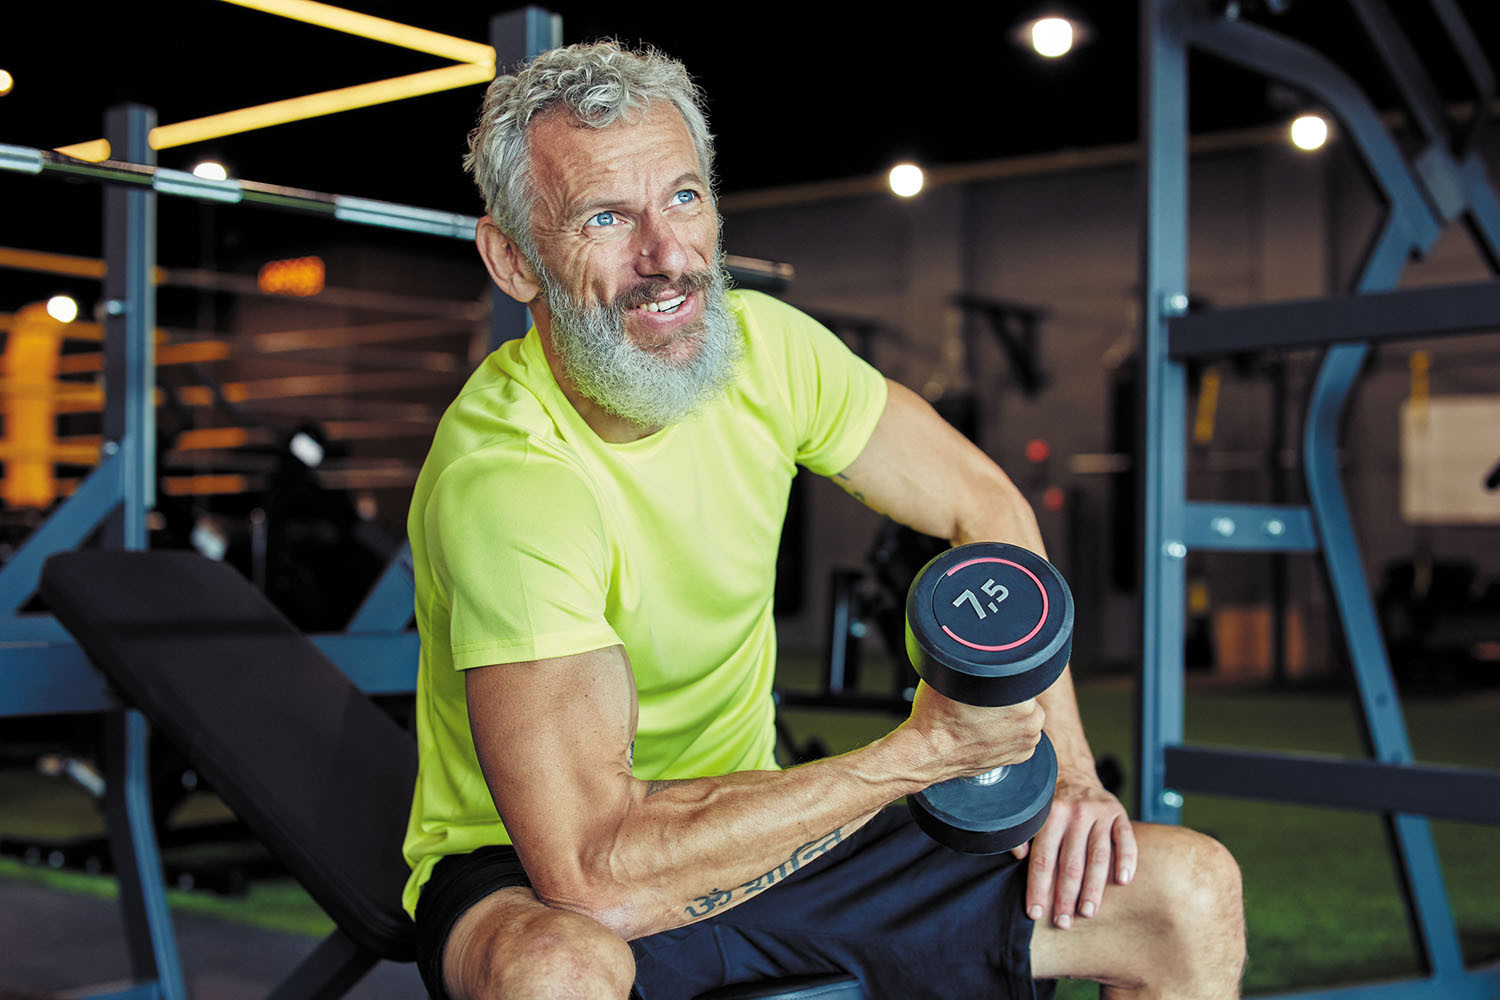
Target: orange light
299	276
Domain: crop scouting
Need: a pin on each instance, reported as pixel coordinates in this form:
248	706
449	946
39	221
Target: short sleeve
517	545
835	396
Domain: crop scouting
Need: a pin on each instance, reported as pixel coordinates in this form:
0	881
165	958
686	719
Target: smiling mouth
664	306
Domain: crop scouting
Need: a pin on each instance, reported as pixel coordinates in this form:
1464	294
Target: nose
663	252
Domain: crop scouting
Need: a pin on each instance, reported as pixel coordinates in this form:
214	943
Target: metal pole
129	325
1163	399
518	37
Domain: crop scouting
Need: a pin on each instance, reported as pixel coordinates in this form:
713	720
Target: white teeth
665	306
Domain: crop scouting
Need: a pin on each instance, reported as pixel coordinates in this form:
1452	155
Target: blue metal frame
1421	197
42	671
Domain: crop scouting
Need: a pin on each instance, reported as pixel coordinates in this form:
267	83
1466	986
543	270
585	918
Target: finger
1096	875
1072	862
1020	852
1125	850
1040	871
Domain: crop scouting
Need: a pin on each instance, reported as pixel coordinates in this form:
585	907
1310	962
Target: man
594	538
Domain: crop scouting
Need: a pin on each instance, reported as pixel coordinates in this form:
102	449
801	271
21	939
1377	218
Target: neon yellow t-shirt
532	538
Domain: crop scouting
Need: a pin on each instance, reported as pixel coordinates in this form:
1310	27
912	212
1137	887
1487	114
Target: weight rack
1444	182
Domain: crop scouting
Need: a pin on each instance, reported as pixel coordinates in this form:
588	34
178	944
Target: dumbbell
989	624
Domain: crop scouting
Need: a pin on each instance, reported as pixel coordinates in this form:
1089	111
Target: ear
505	262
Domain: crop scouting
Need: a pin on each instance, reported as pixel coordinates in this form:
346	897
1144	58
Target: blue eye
684	196
602	219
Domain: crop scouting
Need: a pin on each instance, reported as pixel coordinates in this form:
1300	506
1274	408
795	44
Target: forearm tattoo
808	852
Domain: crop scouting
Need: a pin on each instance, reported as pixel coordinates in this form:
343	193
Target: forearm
681	851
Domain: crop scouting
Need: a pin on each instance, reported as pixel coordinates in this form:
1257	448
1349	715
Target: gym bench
310	764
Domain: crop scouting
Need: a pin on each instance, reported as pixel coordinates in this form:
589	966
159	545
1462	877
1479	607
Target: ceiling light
1309	132
906	179
62	308
1052	36
211	170
6	82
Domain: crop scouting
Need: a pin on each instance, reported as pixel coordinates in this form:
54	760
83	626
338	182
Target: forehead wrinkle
580	178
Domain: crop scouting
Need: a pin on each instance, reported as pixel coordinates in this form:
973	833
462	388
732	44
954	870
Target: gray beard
633	384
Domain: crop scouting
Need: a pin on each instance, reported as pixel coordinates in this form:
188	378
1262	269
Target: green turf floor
1321	897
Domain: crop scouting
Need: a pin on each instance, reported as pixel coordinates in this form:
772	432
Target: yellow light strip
59	263
476	64
375	28
327	102
51	263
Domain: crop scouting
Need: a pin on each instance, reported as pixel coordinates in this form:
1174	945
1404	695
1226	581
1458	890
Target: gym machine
1444	181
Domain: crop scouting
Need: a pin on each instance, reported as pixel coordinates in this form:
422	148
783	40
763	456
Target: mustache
650	291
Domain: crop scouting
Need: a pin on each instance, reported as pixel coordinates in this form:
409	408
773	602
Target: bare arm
554	738
922	473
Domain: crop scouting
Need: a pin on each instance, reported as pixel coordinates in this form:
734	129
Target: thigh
908	917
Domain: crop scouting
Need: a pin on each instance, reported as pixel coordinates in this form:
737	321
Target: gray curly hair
598	84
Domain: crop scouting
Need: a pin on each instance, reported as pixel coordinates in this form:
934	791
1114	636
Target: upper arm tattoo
848	486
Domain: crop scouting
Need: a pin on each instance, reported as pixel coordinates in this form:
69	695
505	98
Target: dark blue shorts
908	917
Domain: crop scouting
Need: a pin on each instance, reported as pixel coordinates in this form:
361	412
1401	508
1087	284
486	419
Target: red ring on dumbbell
1010	645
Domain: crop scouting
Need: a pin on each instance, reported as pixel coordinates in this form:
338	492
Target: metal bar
58	679
517	37
132	836
377	662
1281	58
1159	699
1469	795
33	629
51	680
1248	527
1483	214
1418	867
129	422
141	176
67	527
389	604
1475	64
1413	314
1417	92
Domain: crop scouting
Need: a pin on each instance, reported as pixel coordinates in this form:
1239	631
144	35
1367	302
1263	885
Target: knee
553	955
1201	901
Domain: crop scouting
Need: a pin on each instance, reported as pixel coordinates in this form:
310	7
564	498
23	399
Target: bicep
553	738
919	471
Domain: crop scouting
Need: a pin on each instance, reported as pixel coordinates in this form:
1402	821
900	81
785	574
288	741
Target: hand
1086	841
966	740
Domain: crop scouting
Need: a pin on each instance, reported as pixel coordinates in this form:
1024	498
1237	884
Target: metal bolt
1174	550
1275	527
110	447
1174	303
114	307
1171	799
1222	526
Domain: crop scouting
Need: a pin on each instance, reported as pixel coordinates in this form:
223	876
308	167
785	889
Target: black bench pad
307	761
